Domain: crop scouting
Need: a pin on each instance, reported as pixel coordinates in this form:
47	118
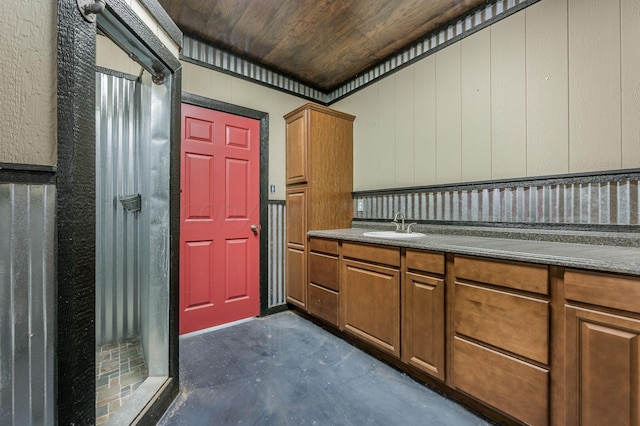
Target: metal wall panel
27	303
154	223
587	200
276	253
117	230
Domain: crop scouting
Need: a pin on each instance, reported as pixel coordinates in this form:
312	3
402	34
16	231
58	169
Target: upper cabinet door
297	149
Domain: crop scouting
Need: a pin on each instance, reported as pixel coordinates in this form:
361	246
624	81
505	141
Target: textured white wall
28	84
552	89
28	106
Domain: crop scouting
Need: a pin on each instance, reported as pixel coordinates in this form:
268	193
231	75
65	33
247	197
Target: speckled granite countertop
607	258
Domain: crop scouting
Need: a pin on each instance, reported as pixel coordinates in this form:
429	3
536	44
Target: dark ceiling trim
164	20
200	52
447	35
204	54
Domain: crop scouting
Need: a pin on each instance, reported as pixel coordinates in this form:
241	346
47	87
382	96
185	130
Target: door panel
199	187
237	189
199	267
237	272
220	200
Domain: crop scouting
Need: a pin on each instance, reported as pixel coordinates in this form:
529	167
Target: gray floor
284	370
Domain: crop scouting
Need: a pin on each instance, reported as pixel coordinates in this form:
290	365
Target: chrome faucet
400	226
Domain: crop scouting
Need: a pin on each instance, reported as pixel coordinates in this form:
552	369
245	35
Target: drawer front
508	384
613	291
323	303
376	254
323	271
321	245
515	323
516	275
425	261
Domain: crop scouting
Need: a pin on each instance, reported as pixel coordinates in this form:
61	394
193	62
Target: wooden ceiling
323	43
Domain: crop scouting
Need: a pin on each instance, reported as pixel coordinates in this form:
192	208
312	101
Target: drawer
323	271
425	261
512	322
612	291
323	303
321	245
375	254
508	384
516	275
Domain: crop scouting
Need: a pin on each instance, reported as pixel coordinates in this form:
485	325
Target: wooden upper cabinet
319	139
319	148
296	170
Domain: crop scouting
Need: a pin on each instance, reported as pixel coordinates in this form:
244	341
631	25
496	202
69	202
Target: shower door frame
76	211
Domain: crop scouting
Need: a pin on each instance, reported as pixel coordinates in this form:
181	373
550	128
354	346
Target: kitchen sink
392	235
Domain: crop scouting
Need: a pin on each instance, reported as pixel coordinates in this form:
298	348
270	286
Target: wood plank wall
552	89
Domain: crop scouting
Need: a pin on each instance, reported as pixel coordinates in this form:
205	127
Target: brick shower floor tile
120	369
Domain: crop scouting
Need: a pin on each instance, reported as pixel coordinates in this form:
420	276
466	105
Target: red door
219	204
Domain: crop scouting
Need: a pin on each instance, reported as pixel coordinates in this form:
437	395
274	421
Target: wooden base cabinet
603	349
423	326
532	344
324	284
500	337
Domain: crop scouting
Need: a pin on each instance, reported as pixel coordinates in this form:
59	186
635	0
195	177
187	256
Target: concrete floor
285	370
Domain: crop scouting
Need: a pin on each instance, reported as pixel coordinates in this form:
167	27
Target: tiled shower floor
120	369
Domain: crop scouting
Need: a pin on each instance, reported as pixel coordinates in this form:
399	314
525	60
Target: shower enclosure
132	240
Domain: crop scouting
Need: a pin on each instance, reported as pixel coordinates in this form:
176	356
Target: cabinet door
296	281
370	296
297	215
423	341
297	150
603	368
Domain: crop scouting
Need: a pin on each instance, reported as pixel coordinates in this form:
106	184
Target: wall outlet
360	205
